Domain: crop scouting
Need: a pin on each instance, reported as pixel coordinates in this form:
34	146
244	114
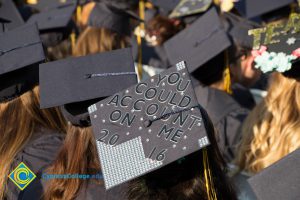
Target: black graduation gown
242	187
39	152
153	56
227	116
243	96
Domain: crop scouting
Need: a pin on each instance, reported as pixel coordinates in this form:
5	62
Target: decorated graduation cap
276	47
107	15
254	8
190	7
55	25
44	5
238	27
79	82
20	52
9	15
199	42
279	181
147	126
165	6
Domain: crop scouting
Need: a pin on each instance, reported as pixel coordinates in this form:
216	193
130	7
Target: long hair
272	130
95	40
185	180
19	119
78	154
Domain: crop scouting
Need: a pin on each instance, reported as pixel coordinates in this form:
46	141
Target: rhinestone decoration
124	162
203	142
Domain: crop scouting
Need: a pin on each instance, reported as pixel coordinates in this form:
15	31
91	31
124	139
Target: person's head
159	29
78	154
272	129
19	119
20	114
241	64
212	72
185	178
240	59
95	40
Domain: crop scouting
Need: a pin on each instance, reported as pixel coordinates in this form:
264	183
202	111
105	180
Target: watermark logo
22	176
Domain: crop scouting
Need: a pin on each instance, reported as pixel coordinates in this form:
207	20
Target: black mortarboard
199	42
10	13
276	47
279	181
44	5
78	80
147	126
254	8
20	52
53	19
190	7
55	25
237	28
165	6
113	18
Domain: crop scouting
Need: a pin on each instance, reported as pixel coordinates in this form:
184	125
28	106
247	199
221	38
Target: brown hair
79	155
19	119
186	180
272	129
163	28
95	40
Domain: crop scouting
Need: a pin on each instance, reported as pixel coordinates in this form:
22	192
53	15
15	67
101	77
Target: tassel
227	79
78	14
139	38
209	184
73	41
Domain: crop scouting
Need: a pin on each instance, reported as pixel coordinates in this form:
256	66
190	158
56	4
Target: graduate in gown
204	46
29	134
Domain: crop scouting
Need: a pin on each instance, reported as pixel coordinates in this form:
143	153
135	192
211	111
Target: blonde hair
19	119
95	40
272	130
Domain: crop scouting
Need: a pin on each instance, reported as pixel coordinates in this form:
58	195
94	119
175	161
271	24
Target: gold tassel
78	14
227	79
209	184
73	41
139	38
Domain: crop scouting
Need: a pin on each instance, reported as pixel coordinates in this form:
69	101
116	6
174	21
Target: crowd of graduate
161	99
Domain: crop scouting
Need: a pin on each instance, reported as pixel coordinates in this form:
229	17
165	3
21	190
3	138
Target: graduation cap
238	27
147	126
276	47
74	82
20	52
199	42
53	19
45	5
108	16
55	25
190	7
279	181
254	8
10	15
165	6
